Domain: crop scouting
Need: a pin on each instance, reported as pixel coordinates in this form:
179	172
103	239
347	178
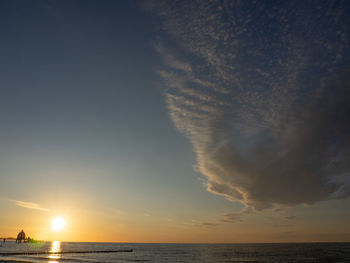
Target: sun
58	224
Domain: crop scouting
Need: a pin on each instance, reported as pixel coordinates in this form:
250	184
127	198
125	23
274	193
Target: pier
64	252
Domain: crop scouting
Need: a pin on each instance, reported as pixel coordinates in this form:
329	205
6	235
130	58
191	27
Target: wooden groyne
62	252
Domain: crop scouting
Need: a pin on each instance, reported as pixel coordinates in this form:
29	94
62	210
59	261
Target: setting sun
58	224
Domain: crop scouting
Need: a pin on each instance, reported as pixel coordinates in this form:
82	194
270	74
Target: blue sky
83	111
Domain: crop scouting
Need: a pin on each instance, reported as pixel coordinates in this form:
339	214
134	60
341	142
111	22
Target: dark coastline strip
63	252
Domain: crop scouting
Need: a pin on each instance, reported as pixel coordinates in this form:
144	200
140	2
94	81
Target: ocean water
171	253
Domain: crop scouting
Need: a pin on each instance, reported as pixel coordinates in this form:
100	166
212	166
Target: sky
175	121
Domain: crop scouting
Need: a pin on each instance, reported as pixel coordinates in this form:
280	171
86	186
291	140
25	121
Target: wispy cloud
290	217
205	223
265	105
224	218
115	211
30	205
234	217
202	224
283	213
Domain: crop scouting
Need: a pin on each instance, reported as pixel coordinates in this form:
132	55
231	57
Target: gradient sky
188	121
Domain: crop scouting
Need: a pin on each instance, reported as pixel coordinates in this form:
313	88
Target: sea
171	253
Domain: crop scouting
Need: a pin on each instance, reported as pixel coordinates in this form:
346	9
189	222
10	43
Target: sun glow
58	224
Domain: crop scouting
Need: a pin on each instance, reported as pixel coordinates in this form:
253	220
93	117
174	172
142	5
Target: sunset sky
175	121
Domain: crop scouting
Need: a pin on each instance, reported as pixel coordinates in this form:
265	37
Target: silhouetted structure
21	237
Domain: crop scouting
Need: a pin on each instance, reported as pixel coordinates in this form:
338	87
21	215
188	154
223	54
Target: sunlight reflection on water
55	247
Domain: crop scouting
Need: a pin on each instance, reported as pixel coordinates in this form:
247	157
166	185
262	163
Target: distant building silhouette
21	237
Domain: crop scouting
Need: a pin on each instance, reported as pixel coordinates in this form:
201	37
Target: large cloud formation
263	93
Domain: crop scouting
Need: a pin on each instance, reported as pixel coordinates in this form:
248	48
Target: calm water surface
171	253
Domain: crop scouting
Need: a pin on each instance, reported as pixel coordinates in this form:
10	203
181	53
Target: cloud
231	217
263	94
204	223
234	217
282	212
115	211
291	217
30	205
